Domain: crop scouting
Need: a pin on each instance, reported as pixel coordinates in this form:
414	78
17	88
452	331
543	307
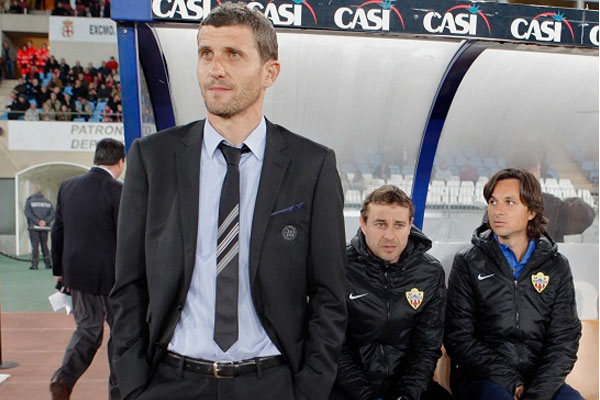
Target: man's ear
363	224
271	72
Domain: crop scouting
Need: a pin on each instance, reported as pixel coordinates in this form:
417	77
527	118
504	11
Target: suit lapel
188	181
273	171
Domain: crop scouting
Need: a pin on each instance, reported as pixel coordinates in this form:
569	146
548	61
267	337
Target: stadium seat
352	198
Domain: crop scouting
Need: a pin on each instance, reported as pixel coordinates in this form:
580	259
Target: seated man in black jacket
395	299
512	329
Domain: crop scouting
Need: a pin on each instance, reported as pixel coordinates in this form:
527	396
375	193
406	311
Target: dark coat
391	348
504	329
38	208
84	235
297	285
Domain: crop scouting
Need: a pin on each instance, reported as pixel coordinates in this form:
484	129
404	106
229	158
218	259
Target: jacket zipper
387	321
518	319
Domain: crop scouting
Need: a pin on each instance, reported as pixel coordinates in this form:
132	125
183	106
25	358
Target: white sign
60	136
82	29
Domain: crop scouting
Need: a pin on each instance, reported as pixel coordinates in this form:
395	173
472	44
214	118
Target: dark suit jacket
84	234
297	285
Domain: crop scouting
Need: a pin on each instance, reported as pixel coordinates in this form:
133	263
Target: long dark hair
530	193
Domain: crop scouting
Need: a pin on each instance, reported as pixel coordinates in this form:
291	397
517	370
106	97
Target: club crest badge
540	281
415	297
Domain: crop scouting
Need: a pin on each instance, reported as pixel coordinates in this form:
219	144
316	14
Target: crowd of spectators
79	8
54	90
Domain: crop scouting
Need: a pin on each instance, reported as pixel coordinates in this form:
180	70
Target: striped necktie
228	247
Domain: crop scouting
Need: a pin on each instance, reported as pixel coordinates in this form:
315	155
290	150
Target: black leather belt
222	369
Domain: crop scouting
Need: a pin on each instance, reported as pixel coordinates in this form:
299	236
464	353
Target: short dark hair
228	14
109	152
530	193
387	194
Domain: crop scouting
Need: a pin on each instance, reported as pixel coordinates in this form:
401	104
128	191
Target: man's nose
388	233
216	69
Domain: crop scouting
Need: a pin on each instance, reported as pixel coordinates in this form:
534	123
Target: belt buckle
216	369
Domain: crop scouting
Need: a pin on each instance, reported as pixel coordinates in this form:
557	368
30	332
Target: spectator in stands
33	73
42	95
104	93
91	69
53	102
115	101
108	114
21	87
79	91
468	172
358	182
65	113
56	81
33	88
16	7
32	114
381	171
101	9
41	56
119	113
59	94
104	70
23	60
77	68
10	55
84	109
442	172
112	64
60	9
47	114
52	64
69	102
92	95
18	107
64	69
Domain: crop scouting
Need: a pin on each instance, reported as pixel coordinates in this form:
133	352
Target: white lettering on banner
595	35
459	24
372	20
285	14
544	31
190	9
60	136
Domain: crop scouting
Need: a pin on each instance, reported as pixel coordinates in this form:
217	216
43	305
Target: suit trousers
169	382
483	389
90	311
39	238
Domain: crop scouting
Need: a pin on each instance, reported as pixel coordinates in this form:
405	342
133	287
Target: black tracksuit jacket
391	347
504	329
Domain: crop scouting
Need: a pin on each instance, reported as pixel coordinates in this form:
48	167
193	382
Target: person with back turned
84	240
40	214
230	263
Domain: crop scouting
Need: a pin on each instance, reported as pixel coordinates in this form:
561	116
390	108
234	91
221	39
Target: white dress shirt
193	335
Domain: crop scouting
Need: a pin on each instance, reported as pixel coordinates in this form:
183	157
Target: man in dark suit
84	240
249	305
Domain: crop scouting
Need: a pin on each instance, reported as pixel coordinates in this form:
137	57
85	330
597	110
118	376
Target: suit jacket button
179	306
158	346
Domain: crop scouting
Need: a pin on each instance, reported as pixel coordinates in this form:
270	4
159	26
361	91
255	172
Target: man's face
386	230
232	77
507	215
